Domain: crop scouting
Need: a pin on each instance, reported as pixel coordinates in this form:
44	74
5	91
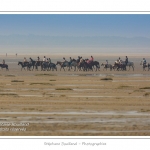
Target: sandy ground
74	103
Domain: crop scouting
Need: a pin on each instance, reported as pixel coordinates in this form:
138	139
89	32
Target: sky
27	31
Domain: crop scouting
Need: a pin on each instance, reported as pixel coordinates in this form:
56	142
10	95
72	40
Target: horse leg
133	68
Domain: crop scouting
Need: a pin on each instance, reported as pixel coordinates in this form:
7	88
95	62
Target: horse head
141	63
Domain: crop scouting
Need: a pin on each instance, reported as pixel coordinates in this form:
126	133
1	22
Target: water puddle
67	75
133	75
77	85
131	81
106	96
26	89
7	92
8	89
104	131
84	89
31	95
61	93
124	113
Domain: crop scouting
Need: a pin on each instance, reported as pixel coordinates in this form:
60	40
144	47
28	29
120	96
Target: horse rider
49	60
70	59
91	59
78	59
3	62
81	60
106	63
87	60
44	60
119	60
144	61
64	61
25	60
38	58
126	60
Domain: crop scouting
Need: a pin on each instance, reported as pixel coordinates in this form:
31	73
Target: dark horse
23	65
38	63
85	66
32	63
120	66
4	66
63	64
52	66
96	64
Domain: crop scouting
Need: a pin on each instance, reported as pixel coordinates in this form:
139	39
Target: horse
52	66
23	65
107	66
38	63
73	63
32	62
130	64
63	64
119	66
145	65
96	64
85	66
4	66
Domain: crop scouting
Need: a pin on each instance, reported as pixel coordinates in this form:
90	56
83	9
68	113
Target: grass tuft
40	84
8	94
145	87
146	94
10	75
63	89
17	81
106	78
45	74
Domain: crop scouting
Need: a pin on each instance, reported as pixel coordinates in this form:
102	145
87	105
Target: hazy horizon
74	33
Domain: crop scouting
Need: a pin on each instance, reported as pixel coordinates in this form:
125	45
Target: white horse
145	65
107	66
130	64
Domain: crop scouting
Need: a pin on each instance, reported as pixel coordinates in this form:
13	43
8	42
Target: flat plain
62	103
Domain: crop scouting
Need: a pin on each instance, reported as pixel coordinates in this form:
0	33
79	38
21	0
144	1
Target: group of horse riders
81	60
47	61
